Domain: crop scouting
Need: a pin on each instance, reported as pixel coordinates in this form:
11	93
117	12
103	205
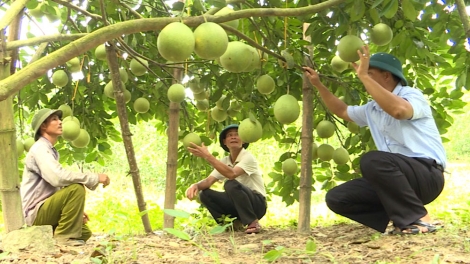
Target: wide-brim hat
388	62
40	117
223	134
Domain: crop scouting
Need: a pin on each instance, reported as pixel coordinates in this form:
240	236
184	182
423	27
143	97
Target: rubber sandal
410	230
253	228
431	228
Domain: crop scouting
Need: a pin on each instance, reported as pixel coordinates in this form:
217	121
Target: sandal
253	228
413	228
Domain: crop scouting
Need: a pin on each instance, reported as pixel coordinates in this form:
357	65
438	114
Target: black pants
237	201
393	187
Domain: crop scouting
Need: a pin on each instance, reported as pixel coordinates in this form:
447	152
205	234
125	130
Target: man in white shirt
52	195
244	195
406	171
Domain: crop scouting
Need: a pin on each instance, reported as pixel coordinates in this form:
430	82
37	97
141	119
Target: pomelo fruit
325	129
265	84
141	105
70	118
338	65
60	78
70	130
109	89
286	109
223	103
127	96
314	151
66	110
289	166
82	140
200	96
353	127
100	52
254	61
28	143
137	68
224	11
381	34
325	152
176	93
195	86
211	41
191	138
202	105
19	147
340	156
175	42
250	131
123	74
237	57
73	65
218	115
348	47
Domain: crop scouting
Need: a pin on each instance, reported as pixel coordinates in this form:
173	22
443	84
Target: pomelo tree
269	37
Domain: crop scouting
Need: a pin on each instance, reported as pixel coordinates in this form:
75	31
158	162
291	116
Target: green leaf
409	10
252	117
218	229
390	9
376	4
273	255
176	213
178	233
311	246
358	10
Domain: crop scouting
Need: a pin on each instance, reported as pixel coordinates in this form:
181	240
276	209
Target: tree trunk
172	158
305	185
9	178
464	17
126	135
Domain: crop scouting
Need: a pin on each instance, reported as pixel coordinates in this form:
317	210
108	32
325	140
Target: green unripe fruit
237	57
82	140
381	34
176	93
348	47
100	52
28	143
338	65
176	42
138	68
224	11
289	166
314	151
218	115
286	109
191	138
211	41
200	96
66	110
223	103
141	105
325	129
340	156
265	84
325	152
74	64
109	89
127	96
195	86
123	74
202	105
250	131
60	78
19	147
70	130
353	127
70	118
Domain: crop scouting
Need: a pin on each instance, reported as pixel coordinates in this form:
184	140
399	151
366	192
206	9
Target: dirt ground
343	243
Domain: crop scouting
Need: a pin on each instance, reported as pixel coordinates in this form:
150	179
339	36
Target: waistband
439	167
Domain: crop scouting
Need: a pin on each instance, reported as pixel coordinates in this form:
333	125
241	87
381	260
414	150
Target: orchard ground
332	239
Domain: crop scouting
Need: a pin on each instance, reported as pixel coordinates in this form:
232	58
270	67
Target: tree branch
463	16
34	70
38	40
15	8
76	8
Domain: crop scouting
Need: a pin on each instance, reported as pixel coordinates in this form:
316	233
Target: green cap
40	117
388	62
223	134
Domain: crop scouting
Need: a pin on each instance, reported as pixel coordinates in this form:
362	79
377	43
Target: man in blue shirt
406	172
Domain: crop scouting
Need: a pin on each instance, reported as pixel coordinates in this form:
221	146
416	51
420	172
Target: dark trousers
237	201
393	187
